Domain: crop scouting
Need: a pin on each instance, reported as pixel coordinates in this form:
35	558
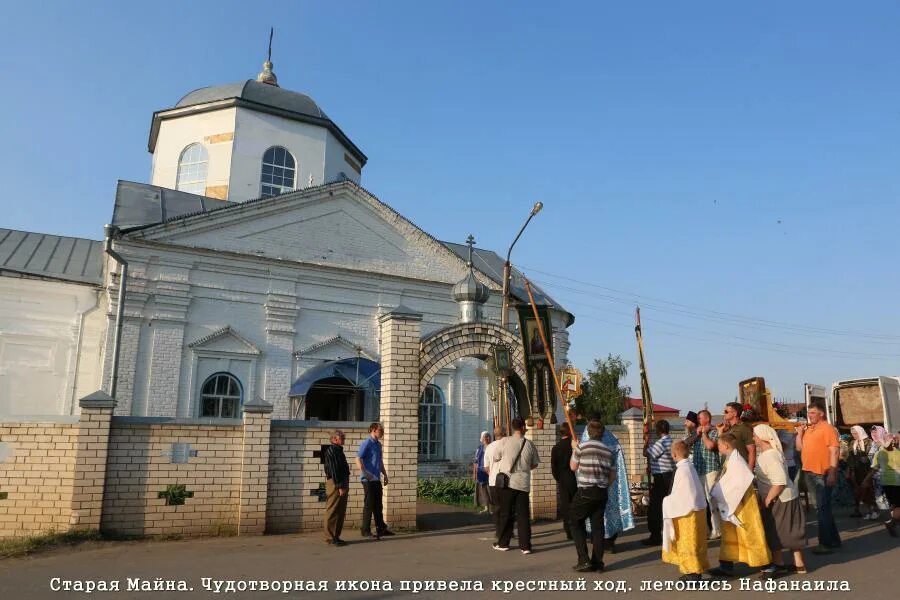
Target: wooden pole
647	399
549	355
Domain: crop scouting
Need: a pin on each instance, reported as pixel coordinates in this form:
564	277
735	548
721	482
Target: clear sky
735	167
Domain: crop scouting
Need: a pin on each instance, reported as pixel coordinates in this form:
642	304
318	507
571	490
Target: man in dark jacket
337	486
565	478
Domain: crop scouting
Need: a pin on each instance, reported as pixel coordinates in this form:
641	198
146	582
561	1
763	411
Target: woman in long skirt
858	467
783	517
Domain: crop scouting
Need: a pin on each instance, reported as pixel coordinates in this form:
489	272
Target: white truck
868	401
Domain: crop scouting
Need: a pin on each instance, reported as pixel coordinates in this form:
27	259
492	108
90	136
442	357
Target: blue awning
359	372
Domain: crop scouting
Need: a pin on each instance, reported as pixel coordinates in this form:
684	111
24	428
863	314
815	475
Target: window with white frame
278	172
192	167
431	423
220	397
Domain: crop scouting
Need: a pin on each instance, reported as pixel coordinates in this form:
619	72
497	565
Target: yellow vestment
688	549
745	544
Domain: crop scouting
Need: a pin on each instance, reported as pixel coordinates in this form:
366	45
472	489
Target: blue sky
702	158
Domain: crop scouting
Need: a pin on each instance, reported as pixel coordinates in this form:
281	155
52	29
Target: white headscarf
859	436
767	434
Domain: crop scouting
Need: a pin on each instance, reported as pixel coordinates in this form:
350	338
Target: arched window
431	423
220	397
278	172
192	165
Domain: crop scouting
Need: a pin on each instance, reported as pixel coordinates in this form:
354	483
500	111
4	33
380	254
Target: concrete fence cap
98	399
401	312
258	405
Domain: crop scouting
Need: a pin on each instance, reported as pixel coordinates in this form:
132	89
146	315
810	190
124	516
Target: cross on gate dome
470	293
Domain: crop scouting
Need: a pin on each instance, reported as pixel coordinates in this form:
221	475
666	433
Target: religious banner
540	385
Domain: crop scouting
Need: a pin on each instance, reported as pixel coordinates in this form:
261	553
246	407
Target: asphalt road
868	561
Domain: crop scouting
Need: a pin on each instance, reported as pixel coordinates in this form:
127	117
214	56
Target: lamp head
537	208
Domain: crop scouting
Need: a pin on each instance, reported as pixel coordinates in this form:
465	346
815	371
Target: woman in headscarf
618	516
886	463
480	475
743	535
782	513
858	467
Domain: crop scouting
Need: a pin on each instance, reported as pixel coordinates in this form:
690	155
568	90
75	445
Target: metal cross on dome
470	242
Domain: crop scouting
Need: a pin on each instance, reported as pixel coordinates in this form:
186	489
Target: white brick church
257	267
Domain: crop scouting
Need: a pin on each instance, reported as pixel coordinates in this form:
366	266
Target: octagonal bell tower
247	140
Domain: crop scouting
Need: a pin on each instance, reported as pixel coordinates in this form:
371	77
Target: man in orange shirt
819	447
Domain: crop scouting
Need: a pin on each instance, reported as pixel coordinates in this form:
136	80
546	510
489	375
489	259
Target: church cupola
470	293
249	139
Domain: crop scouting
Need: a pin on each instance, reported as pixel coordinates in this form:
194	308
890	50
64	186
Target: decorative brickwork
140	465
447	345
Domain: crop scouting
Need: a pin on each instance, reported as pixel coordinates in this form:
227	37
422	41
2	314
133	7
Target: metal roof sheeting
139	204
43	255
255	91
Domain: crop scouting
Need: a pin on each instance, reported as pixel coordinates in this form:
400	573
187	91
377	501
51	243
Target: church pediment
333	348
225	340
338	225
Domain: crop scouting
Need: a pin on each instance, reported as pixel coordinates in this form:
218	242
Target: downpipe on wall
112	232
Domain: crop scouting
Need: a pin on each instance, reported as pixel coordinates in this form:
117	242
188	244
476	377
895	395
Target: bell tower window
192	167
279	171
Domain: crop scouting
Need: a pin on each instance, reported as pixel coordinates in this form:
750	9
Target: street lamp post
504	313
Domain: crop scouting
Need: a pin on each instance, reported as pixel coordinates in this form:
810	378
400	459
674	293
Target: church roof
166	206
263	93
53	256
139	204
257	96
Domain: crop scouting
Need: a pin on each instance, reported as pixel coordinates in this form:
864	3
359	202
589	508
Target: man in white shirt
517	456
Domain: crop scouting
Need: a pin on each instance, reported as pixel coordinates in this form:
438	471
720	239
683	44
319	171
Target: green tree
603	391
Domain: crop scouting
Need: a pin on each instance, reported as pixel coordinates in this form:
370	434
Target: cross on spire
470	241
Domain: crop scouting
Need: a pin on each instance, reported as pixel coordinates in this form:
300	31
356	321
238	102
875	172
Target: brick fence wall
157	475
146	455
36	476
296	478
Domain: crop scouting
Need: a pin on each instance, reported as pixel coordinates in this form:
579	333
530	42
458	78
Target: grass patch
455	492
23	546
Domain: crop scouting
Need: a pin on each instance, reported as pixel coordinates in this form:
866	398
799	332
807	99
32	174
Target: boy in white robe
743	536
684	518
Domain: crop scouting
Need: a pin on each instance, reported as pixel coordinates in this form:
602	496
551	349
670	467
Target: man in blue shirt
371	467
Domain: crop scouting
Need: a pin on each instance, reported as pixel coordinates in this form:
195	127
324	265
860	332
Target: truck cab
865	402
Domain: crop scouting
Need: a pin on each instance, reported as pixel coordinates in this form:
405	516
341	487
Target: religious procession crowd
735	481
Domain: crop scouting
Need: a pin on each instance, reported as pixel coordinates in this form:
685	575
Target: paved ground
868	561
